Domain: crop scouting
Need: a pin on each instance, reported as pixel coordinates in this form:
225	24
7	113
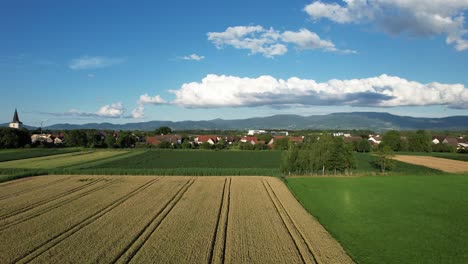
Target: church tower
16	123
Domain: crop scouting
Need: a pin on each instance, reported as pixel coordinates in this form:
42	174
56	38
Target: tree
384	158
164	130
363	146
14	138
264	137
281	144
419	141
125	140
392	139
110	140
205	145
76	138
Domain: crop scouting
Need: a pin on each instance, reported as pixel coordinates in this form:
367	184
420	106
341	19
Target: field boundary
39	250
139	241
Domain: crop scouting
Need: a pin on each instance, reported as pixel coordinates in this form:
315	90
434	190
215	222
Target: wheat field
148	219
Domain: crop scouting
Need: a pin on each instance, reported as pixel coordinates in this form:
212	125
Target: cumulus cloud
112	110
382	91
415	17
87	62
193	57
139	111
115	110
268	42
305	39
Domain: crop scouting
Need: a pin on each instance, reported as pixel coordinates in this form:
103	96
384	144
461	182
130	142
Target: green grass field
17	154
392	219
170	159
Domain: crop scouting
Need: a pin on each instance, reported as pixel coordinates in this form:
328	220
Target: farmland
168	219
163	159
150	162
16	154
392	219
59	161
447	165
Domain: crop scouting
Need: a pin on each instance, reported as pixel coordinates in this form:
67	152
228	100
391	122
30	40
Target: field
447	165
82	219
16	154
365	166
150	162
163	159
454	156
60	160
392	219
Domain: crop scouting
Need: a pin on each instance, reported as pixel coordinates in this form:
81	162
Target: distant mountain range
354	120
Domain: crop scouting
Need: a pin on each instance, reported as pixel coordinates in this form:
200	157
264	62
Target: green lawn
392	219
170	159
17	154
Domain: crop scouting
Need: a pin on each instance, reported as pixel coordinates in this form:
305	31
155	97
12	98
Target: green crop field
392	219
167	159
60	160
17	154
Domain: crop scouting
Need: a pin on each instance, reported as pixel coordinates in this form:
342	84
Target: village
164	137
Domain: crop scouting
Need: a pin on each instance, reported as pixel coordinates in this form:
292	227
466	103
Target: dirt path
448	165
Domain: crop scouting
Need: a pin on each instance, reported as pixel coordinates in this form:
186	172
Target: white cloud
305	39
415	17
115	110
268	42
87	62
139	111
112	110
194	57
146	99
382	91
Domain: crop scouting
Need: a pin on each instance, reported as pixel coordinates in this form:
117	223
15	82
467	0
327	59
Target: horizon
111	62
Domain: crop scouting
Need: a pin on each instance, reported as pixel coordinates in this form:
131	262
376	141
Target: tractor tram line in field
33	188
218	243
55	206
39	250
303	247
50	199
137	243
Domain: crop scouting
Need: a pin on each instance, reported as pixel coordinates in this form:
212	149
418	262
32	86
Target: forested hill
355	120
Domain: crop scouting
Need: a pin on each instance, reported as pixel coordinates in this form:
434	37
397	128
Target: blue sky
122	61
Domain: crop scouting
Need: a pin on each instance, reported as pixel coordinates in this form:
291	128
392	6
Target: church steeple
16	123
16	118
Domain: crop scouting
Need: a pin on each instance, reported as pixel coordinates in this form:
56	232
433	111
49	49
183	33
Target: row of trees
325	155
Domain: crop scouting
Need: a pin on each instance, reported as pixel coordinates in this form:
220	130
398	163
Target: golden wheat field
143	219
